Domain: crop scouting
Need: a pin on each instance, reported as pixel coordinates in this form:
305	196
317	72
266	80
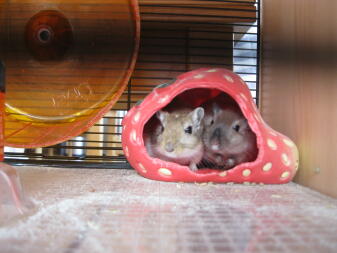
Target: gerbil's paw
229	163
193	167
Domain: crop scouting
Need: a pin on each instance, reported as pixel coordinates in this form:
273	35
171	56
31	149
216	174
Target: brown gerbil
178	137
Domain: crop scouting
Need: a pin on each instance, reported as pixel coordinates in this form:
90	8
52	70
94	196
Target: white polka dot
289	143
136	118
244	96
285	159
297	164
246	173
133	136
285	175
127	152
199	76
267	167
142	168
163	99
165	172
272	144
223	174
212	70
273	133
229	79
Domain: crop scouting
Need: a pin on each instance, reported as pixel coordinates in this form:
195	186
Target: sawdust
127	213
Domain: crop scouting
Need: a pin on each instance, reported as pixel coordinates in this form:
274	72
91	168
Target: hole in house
225	141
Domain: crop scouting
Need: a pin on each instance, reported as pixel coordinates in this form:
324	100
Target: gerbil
177	137
228	139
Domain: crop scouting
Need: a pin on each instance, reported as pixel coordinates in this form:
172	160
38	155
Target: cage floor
82	210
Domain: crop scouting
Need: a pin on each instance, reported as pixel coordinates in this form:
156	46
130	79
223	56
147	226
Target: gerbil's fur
228	139
177	137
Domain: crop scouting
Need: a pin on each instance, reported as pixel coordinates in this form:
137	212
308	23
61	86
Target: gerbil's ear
198	114
161	115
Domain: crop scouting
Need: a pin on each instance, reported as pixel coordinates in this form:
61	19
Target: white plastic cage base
13	202
92	210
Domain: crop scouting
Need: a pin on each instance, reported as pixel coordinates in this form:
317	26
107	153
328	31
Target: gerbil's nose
217	133
169	147
215	139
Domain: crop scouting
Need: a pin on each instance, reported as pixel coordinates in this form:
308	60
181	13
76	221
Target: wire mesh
176	36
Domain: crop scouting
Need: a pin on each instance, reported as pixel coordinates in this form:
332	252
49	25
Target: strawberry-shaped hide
276	159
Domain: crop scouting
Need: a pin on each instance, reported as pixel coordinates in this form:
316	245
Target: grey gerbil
178	137
228	139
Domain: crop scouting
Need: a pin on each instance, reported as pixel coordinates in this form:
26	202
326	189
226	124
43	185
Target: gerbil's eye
188	130
212	122
236	127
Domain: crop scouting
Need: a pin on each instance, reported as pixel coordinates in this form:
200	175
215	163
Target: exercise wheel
67	62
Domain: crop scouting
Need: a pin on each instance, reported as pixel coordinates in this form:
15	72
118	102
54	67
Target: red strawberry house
277	156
